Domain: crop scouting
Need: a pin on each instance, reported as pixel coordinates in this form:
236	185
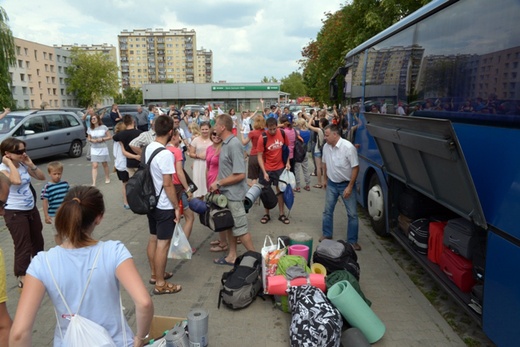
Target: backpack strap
264	136
154	153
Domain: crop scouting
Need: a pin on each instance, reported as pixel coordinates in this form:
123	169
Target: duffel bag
337	255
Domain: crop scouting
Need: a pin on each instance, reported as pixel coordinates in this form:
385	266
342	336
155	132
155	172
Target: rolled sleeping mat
356	311
218	199
278	285
317	268
197	205
254	192
353	337
301	250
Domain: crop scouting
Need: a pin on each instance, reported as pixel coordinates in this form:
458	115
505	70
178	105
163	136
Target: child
194	130
53	194
120	162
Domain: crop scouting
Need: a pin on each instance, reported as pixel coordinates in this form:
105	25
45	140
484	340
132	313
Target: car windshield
8	122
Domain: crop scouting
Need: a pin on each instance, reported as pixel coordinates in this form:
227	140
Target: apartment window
49	91
47	79
46	68
22	77
18	50
27	64
53	91
26	51
60	69
58	58
31	90
32	103
24	90
52	68
37	72
44	55
20	63
65	59
62	91
53	80
61	80
39	85
50	56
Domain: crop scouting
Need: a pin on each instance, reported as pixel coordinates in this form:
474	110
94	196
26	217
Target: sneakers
126	207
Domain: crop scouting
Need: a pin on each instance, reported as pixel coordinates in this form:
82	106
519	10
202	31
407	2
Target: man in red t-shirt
271	164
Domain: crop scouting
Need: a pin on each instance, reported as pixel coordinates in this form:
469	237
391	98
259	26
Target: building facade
160	56
38	77
205	66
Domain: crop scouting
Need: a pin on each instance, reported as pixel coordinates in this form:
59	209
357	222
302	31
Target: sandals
215	242
307	188
219	248
317	186
284	219
167	275
167	288
266	218
297	190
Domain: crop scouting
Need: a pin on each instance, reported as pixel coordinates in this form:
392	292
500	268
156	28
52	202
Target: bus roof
404	23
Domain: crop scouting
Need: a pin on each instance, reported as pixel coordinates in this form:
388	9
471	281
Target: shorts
317	154
123	176
253	169
239	217
181	194
161	224
274	176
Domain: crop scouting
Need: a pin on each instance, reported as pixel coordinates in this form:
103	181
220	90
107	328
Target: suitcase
404	223
459	237
458	269
418	235
414	205
435	239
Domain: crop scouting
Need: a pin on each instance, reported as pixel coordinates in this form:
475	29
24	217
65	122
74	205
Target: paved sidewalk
409	318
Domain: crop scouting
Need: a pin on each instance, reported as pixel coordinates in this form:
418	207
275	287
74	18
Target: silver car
46	133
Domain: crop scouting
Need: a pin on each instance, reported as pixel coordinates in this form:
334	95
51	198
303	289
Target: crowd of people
229	154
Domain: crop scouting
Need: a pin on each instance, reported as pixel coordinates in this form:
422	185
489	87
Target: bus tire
376	206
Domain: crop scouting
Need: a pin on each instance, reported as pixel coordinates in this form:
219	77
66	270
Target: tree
293	84
269	80
91	77
130	96
7	59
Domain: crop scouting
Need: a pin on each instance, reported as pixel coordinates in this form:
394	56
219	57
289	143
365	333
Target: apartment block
161	56
204	66
104	48
38	77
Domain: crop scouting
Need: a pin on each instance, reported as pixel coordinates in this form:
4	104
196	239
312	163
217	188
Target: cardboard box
160	324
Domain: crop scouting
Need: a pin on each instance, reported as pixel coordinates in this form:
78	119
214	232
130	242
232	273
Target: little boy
53	194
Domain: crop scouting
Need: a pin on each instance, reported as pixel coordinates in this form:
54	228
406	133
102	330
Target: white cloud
250	39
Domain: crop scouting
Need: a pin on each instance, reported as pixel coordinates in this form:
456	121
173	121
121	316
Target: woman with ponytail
68	267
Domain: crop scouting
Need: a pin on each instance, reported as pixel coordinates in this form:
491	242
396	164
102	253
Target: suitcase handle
445	270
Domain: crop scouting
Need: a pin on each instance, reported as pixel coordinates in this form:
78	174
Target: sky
250	39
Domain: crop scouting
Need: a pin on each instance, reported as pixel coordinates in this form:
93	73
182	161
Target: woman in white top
68	267
98	134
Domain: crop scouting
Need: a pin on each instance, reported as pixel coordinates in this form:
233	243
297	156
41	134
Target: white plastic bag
287	177
180	247
82	332
271	254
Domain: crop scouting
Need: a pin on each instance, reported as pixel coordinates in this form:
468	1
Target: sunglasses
18	151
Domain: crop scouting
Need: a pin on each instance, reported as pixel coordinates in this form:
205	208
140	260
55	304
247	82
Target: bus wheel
376	206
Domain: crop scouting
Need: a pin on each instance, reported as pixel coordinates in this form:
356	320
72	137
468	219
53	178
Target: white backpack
83	332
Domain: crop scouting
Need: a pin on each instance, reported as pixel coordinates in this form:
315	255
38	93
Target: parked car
46	133
194	108
123	109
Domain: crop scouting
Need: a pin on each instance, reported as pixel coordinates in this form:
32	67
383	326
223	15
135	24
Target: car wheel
76	149
376	206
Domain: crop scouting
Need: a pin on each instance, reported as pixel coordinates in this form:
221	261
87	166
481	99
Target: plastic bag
83	332
271	254
180	247
287	177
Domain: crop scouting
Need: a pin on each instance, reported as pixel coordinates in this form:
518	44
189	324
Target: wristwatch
218	185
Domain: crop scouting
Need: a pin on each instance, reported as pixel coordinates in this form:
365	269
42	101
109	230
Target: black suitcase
337	255
414	205
459	236
419	234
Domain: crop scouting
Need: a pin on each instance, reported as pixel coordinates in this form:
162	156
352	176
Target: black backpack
243	283
300	149
140	190
337	255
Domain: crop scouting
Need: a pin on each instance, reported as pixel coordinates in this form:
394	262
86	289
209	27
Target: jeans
335	190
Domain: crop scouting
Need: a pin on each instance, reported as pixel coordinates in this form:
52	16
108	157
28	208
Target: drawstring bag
268	197
286	178
82	332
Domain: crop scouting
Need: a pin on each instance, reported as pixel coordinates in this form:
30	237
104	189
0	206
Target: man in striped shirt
53	194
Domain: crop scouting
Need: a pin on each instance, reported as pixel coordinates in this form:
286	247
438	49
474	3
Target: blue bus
445	83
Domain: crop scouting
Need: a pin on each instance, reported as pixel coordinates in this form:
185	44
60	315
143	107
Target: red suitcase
458	269
435	241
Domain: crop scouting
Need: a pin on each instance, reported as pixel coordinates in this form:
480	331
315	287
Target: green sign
243	88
